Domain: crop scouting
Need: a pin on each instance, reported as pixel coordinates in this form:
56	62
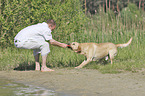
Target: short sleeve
47	35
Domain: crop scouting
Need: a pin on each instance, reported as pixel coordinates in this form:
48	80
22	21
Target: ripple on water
9	88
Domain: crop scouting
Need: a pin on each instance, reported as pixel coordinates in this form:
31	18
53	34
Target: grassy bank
102	27
130	58
22	59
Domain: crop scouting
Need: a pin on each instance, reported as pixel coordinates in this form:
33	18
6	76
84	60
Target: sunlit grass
130	58
99	29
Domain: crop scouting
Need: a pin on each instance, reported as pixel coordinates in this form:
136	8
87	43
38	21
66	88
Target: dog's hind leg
85	62
112	53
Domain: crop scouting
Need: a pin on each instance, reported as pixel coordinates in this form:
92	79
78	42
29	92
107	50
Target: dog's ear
79	47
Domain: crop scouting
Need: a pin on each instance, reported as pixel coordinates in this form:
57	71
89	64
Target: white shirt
39	32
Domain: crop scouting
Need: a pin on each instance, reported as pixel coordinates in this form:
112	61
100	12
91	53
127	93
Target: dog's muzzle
68	46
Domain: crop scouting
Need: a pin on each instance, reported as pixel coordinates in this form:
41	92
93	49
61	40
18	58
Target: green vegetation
18	14
73	25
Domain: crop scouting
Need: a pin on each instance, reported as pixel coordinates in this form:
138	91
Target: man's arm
54	42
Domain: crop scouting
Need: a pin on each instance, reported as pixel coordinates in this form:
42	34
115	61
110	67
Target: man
35	37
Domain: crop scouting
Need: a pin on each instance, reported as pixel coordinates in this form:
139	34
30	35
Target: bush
18	14
131	14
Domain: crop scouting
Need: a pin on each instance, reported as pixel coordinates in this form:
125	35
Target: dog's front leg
79	52
85	62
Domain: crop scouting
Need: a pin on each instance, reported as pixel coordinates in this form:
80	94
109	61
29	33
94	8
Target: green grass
130	58
100	28
22	59
12	58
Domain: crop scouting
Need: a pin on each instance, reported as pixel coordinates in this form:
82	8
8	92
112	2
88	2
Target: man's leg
38	47
44	68
37	65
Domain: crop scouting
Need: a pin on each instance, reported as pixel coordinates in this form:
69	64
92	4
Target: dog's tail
125	44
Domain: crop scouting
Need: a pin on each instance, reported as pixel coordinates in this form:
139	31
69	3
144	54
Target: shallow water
9	88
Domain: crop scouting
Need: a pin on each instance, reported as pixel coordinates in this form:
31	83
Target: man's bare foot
37	67
77	67
45	69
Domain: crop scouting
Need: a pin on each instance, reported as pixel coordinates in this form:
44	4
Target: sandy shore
83	82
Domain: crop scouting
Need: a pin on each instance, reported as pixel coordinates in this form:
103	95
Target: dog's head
74	46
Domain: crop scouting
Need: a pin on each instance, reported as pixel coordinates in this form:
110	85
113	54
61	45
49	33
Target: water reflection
8	88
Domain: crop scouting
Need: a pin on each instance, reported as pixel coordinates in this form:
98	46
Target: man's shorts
37	46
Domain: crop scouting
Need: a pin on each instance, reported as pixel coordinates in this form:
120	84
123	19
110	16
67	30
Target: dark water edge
10	88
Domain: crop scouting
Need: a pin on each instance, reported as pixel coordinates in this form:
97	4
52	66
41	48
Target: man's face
52	27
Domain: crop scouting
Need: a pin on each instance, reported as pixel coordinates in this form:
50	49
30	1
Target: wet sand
83	82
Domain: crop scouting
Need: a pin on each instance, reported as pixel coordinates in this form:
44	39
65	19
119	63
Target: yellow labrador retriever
94	51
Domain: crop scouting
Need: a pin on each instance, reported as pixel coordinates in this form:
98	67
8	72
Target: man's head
51	24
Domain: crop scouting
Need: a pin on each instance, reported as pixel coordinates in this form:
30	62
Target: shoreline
82	82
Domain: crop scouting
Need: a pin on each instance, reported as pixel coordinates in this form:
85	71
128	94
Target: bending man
35	37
